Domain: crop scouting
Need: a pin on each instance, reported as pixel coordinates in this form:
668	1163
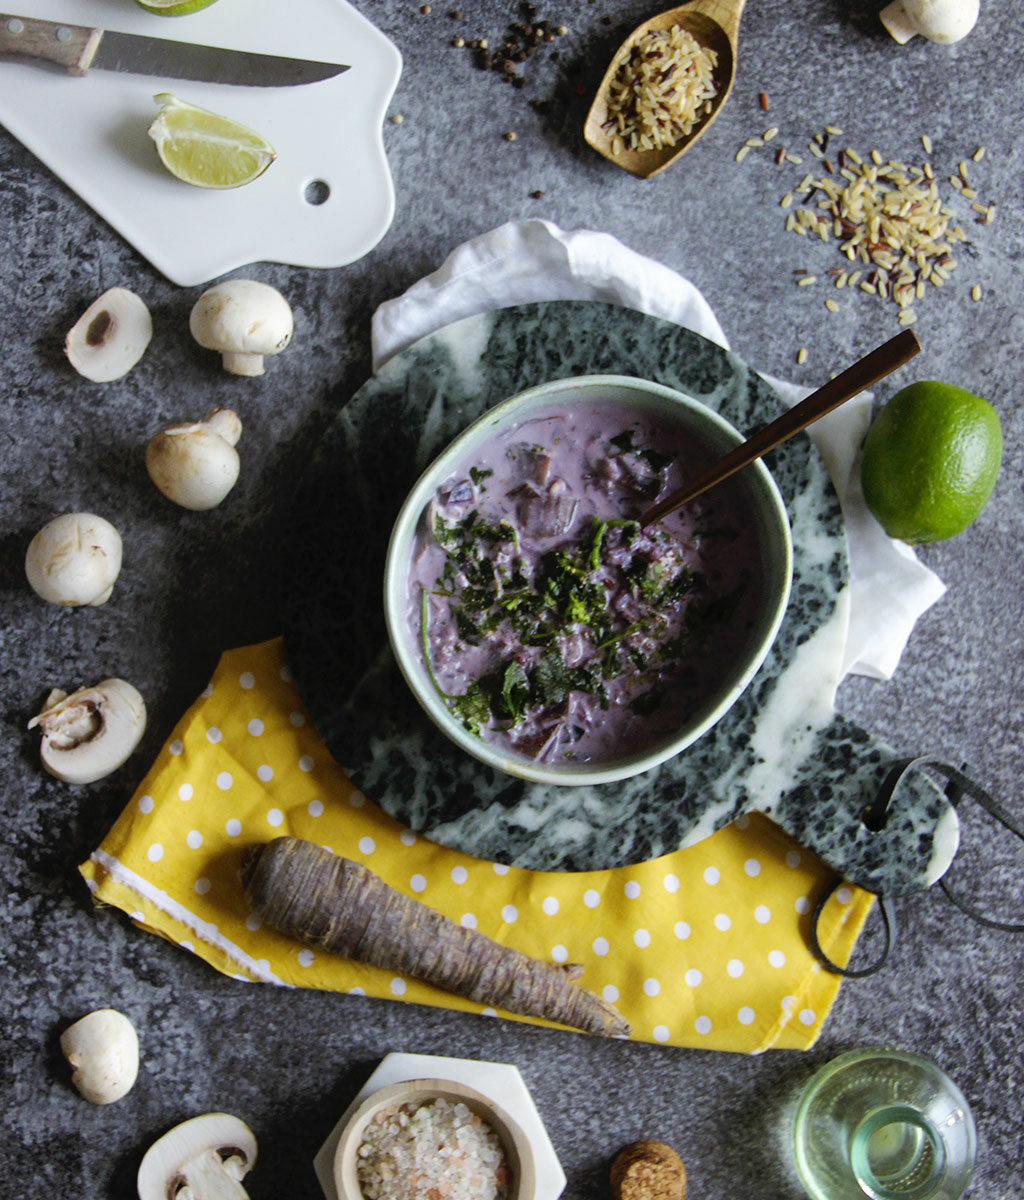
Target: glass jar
883	1124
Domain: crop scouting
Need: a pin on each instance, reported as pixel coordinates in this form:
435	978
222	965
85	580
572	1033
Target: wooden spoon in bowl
882	361
715	25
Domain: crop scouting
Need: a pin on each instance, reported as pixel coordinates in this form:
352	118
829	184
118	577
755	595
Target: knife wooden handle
72	47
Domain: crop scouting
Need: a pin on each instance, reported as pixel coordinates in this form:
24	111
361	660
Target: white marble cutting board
91	132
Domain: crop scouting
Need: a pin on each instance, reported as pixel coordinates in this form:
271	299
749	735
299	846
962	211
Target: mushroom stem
896	20
243	364
211	1177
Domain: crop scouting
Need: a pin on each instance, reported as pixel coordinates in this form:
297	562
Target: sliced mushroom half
90	733
201	1159
110	337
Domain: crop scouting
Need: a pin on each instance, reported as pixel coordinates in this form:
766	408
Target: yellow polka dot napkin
707	946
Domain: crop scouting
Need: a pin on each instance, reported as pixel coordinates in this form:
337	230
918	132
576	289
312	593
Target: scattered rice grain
801	355
831	306
770	133
976	292
806	281
979	154
926	141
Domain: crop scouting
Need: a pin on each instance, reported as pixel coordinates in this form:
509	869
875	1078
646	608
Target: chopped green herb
515	691
478	475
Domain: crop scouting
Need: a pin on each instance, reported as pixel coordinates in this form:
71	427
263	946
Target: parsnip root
341	906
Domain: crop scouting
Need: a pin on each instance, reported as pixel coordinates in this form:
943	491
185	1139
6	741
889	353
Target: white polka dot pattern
655	939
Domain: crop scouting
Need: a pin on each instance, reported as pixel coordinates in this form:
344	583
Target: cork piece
648	1171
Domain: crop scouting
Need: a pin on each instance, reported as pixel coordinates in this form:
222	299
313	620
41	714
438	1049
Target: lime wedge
173	8
205	149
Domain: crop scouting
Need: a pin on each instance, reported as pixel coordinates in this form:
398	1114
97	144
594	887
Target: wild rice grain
662	90
763	98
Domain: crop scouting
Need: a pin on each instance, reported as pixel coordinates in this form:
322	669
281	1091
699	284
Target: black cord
875	817
959	786
888	913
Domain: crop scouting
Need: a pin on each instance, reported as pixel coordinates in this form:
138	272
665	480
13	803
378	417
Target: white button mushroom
244	320
90	733
74	560
103	1048
196	465
938	20
110	337
204	1159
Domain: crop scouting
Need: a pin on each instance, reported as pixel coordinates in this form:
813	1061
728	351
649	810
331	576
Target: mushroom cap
169	1157
943	21
196	465
242	316
74	560
90	733
103	1049
110	337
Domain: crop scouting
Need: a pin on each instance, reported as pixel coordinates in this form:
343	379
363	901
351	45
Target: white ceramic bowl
764	508
518	1151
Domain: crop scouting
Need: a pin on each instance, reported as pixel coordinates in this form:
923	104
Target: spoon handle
868	370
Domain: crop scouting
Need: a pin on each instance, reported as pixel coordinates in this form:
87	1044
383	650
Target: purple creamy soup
554	626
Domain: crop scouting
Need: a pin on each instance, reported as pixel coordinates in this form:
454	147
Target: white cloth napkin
534	260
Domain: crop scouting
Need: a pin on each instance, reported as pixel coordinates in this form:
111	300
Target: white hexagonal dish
498	1082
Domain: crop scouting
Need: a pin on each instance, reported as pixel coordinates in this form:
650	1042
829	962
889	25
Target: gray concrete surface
290	1061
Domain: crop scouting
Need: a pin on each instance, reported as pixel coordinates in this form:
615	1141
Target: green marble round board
781	749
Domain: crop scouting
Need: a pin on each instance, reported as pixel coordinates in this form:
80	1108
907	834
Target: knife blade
77	48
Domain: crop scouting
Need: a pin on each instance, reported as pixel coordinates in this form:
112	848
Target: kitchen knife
76	48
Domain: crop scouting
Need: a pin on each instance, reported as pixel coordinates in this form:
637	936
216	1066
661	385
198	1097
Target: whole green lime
930	461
